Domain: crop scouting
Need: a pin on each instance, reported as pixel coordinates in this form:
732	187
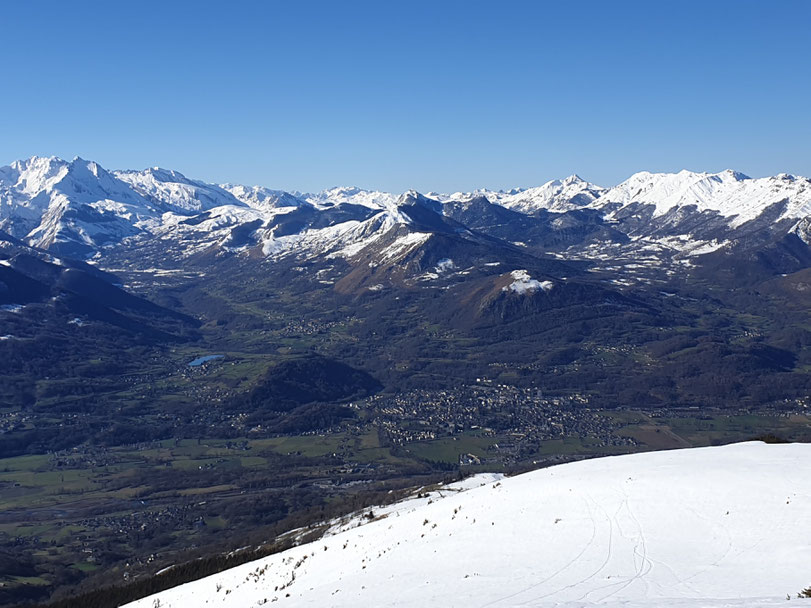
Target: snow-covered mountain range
710	527
79	209
557	195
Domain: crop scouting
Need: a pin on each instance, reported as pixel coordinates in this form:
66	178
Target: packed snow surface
709	527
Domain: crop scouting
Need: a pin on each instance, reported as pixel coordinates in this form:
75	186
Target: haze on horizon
444	97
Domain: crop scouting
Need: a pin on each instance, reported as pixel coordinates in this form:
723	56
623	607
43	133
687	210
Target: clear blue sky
392	95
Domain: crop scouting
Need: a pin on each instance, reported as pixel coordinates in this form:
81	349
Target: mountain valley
357	342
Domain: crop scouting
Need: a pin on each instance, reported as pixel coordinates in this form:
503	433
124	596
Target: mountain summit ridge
78	208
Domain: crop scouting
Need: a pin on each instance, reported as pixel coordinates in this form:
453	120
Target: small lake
200	360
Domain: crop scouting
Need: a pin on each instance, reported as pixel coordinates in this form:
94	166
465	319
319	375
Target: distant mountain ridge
79	209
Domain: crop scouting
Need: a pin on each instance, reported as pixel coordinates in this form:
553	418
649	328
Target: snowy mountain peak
786	177
729	193
40	179
73	207
555	195
87	169
25	164
412	197
166	175
352	195
736	175
344	191
173	191
259	197
33	175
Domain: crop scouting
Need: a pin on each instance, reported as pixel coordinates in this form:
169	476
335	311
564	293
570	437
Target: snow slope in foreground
721	526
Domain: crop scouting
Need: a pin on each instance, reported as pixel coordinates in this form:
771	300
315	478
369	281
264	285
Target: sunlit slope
721	526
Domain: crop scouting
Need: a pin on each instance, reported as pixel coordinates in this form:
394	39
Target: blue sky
393	95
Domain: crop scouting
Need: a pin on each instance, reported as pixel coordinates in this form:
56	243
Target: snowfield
709	527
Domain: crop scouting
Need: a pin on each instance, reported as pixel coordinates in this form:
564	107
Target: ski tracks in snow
617	528
642	565
558	572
